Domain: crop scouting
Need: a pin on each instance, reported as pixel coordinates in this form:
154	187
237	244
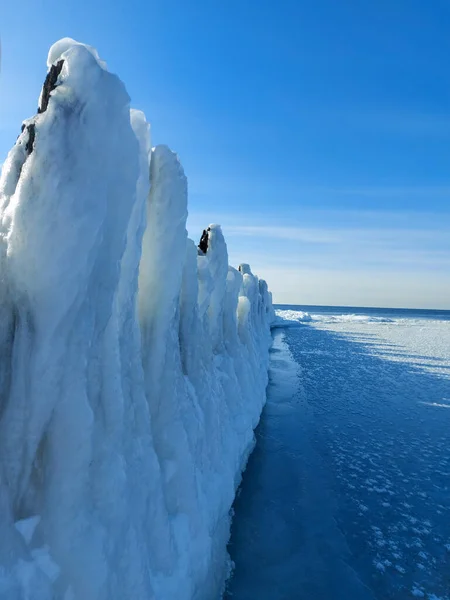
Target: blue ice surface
347	493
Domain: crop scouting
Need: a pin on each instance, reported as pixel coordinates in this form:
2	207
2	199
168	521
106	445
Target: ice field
347	494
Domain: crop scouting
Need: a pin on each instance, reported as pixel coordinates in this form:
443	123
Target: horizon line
275	304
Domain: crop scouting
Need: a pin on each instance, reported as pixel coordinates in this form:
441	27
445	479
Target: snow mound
350	319
134	365
294	318
290	318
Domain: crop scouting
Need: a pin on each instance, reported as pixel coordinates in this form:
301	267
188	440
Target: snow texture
292	318
134	367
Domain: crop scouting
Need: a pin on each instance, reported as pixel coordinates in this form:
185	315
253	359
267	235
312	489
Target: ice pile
294	318
134	365
290	318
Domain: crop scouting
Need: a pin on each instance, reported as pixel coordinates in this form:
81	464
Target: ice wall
133	365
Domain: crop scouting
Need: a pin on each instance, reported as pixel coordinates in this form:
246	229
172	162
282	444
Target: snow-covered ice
134	366
291	318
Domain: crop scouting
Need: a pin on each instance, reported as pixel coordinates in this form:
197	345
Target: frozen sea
347	493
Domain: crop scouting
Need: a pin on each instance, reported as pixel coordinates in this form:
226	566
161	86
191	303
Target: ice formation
134	365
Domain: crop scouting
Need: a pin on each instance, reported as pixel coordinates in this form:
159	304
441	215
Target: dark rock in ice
31	129
50	85
203	245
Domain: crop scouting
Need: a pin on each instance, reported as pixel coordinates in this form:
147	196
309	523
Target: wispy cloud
398	121
430	191
398	252
401	122
298	234
235	186
342	235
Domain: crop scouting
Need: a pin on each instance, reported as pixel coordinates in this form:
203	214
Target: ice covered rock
133	368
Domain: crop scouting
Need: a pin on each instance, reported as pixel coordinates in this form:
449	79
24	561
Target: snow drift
295	318
134	365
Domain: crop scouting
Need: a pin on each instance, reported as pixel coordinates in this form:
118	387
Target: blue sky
316	132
